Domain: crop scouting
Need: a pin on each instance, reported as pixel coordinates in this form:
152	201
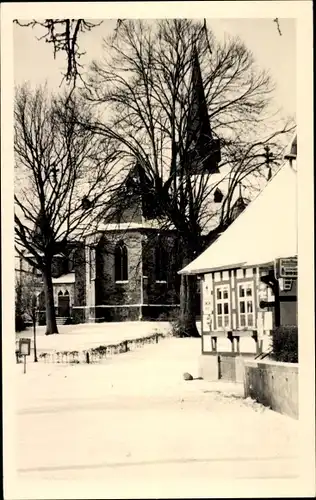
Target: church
128	268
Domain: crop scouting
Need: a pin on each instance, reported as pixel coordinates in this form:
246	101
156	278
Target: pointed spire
204	152
240	190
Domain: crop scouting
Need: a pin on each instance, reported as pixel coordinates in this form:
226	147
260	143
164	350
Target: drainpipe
141	284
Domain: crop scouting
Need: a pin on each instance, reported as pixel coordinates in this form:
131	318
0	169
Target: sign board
285	284
263	293
267	320
25	347
286	268
260	328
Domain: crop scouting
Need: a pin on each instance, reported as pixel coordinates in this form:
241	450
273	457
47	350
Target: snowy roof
125	226
291	150
265	230
253	184
64	278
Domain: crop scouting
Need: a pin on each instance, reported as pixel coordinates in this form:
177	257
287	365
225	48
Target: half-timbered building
249	275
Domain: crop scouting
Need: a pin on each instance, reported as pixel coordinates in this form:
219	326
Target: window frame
245	299
121	247
223	301
161	259
92	263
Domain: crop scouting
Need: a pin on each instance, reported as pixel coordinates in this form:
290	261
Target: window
121	264
161	263
37	272
222	310
218	196
245	305
92	263
71	261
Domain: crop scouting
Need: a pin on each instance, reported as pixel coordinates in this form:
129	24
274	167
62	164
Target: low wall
273	384
223	366
97	354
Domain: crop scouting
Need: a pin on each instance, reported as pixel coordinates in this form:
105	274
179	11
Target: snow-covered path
134	424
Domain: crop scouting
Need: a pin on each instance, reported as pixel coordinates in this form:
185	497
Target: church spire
203	150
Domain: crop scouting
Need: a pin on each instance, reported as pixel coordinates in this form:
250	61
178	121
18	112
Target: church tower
203	151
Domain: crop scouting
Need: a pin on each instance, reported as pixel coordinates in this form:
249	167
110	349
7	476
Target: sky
34	62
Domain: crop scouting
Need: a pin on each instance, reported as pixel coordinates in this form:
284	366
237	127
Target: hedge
285	344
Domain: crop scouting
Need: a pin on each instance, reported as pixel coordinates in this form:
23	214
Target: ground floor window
222	307
161	264
246	305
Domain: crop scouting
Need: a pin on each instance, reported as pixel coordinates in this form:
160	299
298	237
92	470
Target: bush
19	323
285	344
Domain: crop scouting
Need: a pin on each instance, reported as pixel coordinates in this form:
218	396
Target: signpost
25	350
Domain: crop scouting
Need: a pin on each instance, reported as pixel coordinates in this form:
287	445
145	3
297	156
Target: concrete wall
222	366
208	367
273	384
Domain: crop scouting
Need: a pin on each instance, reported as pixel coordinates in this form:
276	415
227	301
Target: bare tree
63	35
160	84
64	177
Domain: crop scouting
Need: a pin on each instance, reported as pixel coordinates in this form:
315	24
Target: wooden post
24	371
214	343
34	338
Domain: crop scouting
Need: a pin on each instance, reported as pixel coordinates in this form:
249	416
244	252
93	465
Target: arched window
161	263
66	292
121	264
60	293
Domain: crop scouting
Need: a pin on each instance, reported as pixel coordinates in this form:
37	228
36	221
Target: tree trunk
34	339
51	325
187	326
19	323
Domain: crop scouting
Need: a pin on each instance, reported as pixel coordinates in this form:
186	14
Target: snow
265	230
87	335
136	428
65	278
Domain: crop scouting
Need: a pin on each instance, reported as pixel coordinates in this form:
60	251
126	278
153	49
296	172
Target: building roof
291	150
64	279
265	230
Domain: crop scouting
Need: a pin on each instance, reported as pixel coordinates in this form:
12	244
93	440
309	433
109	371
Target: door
63	305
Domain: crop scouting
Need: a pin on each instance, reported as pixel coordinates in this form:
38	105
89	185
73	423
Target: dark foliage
285	344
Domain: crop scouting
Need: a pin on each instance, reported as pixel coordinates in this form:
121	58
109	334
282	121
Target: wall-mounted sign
263	293
285	284
260	327
267	320
286	267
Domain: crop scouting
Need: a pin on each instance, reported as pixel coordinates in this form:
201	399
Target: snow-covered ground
134	428
87	335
